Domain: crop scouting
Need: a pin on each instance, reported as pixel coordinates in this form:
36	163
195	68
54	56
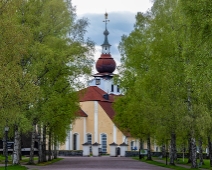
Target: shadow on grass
161	164
49	162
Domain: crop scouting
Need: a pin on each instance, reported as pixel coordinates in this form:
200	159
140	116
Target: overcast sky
121	14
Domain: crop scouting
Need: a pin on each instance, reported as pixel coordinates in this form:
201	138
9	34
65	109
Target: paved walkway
94	163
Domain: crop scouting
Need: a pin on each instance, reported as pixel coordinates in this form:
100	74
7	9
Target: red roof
81	113
108	109
94	93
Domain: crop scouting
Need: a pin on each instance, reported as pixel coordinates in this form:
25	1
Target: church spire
105	65
106	45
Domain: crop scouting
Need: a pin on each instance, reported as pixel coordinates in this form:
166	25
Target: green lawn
17	167
49	162
154	162
24	160
180	161
205	166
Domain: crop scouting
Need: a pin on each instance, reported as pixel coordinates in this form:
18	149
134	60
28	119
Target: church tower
105	67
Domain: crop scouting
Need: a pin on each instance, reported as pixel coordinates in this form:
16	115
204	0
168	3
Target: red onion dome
105	64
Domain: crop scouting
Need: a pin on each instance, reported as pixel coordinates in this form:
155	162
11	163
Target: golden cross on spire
106	19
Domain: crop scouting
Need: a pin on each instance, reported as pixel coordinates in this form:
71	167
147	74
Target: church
95	118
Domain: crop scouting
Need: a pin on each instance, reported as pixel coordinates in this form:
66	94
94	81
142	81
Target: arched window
104	143
89	140
75	141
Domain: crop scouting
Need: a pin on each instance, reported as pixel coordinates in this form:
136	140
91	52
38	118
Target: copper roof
105	64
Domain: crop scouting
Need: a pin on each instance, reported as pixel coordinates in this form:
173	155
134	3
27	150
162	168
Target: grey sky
121	14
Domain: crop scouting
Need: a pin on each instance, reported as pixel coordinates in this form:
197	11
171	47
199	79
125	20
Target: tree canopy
165	74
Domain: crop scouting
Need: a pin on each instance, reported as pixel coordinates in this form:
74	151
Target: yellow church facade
95	123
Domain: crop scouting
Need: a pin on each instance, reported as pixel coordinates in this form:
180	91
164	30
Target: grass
205	166
12	167
161	164
24	160
179	162
49	162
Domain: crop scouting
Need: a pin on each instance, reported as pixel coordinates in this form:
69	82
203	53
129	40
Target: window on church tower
97	81
112	88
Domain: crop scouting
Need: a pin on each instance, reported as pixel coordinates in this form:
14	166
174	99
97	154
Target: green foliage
43	54
15	167
165	72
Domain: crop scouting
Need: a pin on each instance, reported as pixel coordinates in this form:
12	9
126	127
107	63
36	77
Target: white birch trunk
31	158
194	153
16	158
20	154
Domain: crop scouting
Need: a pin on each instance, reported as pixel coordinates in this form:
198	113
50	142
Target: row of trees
166	77
43	54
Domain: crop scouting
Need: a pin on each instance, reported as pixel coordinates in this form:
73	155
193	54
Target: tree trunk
189	150
44	143
49	146
20	147
210	150
201	152
173	149
31	158
194	153
55	149
40	154
163	150
16	158
149	156
141	144
4	144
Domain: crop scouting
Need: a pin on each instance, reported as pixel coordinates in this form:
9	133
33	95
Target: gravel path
94	163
